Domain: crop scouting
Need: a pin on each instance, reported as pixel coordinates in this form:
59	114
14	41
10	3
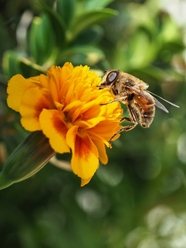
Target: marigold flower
71	111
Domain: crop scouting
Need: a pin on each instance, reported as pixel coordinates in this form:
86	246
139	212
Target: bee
133	93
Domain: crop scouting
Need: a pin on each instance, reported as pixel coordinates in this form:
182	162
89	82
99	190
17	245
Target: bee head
109	78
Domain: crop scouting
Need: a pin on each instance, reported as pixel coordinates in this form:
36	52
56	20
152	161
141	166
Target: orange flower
71	111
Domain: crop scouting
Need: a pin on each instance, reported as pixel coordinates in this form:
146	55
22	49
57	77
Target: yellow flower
71	111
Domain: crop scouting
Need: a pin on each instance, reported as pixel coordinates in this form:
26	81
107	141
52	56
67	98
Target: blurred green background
138	200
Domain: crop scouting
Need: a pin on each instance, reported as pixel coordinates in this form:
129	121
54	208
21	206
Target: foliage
138	199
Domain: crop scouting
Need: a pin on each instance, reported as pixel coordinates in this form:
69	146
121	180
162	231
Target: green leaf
66	9
58	25
33	47
88	19
10	63
143	52
41	39
170	31
26	160
96	4
45	35
92	53
89	36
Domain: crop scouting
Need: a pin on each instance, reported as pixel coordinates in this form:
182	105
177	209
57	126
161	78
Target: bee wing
157	103
163	100
160	105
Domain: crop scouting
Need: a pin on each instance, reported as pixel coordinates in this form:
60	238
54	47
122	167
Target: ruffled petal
84	153
53	126
59	82
43	79
33	102
85	181
89	123
102	151
74	110
104	130
16	87
55	82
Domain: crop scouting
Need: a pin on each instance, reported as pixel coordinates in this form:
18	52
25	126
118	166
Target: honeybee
134	94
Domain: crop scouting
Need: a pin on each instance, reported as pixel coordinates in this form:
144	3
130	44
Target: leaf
142	50
89	36
83	49
58	25
66	9
89	18
33	47
41	37
10	63
93	53
26	160
170	31
96	4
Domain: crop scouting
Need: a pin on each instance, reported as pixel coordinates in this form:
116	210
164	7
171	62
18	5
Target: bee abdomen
147	117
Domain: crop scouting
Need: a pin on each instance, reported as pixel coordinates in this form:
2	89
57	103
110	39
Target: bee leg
127	119
133	118
120	99
116	100
125	128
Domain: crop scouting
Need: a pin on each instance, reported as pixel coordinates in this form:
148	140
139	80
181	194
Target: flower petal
33	102
16	87
55	82
73	109
102	151
104	130
59	84
53	126
84	153
85	181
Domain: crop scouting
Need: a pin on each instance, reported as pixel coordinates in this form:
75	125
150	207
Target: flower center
67	117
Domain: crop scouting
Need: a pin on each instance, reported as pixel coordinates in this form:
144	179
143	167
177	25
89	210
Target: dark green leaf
41	39
89	18
57	23
96	53
26	160
96	4
33	47
10	63
66	9
89	36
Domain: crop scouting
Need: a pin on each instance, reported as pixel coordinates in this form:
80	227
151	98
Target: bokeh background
138	200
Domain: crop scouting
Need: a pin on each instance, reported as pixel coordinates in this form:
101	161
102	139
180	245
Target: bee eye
112	76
